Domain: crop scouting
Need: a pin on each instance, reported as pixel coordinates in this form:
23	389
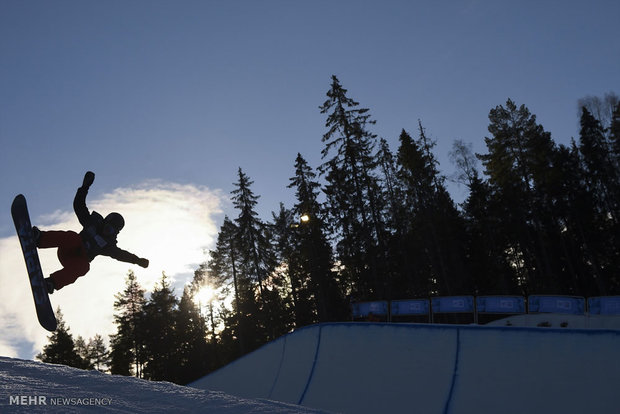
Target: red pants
71	254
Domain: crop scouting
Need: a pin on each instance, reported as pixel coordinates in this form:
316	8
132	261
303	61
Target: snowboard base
43	306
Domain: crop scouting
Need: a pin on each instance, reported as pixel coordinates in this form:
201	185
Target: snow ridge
29	386
375	368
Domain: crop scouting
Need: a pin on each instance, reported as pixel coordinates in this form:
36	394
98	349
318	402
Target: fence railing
423	309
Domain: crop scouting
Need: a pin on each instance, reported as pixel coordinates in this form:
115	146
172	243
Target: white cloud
170	224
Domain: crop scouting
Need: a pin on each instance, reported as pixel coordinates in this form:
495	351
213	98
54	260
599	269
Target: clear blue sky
188	91
174	96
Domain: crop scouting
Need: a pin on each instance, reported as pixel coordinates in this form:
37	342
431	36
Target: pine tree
491	273
602	180
315	262
277	304
127	345
354	208
258	283
392	187
415	269
614	144
398	256
288	251
193	353
214	277
575	212
161	340
98	353
83	351
602	177
601	109
434	229
225	266
487	262
61	347
520	156
614	135
251	233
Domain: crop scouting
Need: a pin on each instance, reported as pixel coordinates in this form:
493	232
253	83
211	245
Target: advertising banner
453	304
572	305
364	309
410	307
500	304
604	305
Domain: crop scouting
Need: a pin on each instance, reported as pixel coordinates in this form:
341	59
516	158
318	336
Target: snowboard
21	218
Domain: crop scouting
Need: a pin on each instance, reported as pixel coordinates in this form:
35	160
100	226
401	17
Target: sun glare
204	296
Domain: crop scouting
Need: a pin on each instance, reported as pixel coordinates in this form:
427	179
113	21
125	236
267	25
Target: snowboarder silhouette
76	251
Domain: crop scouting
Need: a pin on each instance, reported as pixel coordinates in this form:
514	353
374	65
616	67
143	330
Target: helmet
115	220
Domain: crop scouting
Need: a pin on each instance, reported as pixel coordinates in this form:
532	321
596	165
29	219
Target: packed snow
425	368
30	387
551	320
363	368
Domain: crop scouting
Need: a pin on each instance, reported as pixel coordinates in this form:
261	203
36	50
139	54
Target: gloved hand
143	262
89	178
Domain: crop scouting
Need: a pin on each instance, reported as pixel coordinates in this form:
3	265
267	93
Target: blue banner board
453	304
604	305
364	309
500	304
572	305
410	307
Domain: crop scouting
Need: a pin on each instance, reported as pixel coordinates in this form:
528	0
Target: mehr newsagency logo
26	400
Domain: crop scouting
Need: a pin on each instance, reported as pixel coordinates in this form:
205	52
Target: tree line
158	338
371	222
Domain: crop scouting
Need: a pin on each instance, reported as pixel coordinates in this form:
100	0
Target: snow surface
38	386
362	368
378	368
555	320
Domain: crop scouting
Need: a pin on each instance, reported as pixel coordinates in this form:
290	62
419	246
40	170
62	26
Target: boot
49	284
36	235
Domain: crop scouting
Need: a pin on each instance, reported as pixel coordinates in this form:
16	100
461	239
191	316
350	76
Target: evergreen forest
378	223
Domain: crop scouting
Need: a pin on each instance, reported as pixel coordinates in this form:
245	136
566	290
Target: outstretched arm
124	256
79	202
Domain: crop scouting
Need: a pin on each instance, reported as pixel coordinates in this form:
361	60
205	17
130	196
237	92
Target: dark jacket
93	238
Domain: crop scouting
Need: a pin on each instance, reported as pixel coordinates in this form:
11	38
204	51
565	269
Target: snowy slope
561	321
377	368
39	386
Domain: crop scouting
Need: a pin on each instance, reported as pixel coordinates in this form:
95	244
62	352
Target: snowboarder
76	251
